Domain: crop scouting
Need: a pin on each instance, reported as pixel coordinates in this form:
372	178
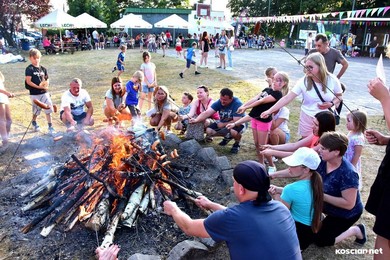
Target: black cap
253	176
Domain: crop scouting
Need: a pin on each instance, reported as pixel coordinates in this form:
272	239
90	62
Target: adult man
373	45
72	106
256	228
331	55
226	106
95	36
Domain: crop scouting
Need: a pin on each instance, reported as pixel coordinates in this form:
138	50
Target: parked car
37	36
18	36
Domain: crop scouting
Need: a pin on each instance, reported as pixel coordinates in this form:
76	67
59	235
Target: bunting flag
312	17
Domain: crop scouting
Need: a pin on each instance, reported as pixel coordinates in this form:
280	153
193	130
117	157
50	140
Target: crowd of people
321	207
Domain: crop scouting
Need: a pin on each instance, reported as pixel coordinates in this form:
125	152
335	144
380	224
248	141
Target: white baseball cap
304	156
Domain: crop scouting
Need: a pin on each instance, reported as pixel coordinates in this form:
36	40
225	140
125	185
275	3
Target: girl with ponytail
303	197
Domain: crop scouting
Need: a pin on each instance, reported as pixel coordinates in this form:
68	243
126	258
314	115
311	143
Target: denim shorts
146	89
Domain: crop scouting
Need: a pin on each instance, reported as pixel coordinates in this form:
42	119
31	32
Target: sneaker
235	148
197	72
218	67
181	74
51	130
225	141
362	241
271	169
37	128
114	69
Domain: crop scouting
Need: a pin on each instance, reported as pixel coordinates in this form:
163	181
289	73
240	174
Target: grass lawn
94	69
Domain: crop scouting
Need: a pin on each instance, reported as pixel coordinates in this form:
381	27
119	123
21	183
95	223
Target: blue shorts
372	50
287	137
189	62
95	40
119	66
146	89
79	119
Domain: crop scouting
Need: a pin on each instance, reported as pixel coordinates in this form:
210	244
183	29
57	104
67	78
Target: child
190	53
186	100
120	63
37	82
356	124
261	102
132	88
179	49
270	73
5	114
150	80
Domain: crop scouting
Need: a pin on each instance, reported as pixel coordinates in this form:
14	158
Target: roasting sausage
57	138
41	104
154	145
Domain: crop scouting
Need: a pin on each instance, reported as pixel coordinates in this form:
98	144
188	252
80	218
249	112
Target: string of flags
337	17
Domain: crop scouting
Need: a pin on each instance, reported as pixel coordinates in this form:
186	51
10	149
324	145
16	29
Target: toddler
184	110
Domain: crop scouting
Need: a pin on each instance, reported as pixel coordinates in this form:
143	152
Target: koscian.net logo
359	251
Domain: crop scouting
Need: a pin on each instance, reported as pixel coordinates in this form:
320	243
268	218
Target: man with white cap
258	227
303	197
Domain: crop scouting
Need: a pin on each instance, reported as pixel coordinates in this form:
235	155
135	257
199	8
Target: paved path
249	65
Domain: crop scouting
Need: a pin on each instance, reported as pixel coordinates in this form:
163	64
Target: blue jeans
229	54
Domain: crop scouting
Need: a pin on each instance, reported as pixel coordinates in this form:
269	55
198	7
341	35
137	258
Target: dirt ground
94	68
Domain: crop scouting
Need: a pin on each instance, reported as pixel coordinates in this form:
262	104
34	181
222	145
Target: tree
11	12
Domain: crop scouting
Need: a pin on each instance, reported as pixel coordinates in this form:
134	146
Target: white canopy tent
88	21
57	19
174	22
218	25
131	21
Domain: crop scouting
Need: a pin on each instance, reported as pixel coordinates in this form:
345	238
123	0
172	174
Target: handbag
335	113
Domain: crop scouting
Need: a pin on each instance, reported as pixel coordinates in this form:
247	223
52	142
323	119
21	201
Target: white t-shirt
311	99
149	70
95	34
284	113
76	104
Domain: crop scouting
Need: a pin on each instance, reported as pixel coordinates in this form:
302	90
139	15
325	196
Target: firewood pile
114	183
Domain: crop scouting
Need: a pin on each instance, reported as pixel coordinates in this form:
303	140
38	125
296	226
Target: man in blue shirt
190	53
226	106
256	228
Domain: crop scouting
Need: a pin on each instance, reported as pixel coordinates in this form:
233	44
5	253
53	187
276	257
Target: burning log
144	202
100	216
50	175
134	201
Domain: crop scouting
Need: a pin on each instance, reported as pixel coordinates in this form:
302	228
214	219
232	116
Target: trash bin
25	44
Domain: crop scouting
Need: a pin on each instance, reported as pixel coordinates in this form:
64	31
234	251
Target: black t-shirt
373	44
257	110
37	74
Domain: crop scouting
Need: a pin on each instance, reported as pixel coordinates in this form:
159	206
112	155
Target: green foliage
104	10
12	10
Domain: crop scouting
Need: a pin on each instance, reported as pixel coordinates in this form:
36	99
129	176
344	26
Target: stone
188	250
171	140
189	147
207	155
139	256
227	177
208	241
223	163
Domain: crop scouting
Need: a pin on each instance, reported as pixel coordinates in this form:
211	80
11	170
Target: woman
303	197
205	47
102	41
322	123
202	104
222	48
327	84
114	102
342	204
164	41
164	109
5	113
378	202
230	49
